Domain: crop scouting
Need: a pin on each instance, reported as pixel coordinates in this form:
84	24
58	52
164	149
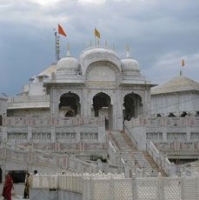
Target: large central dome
97	54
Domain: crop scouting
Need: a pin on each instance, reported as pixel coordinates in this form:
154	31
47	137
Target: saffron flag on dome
61	30
183	63
97	33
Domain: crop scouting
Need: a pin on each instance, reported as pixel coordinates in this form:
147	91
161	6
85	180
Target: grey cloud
154	29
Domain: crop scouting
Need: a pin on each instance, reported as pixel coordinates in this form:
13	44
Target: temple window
154	136
176	136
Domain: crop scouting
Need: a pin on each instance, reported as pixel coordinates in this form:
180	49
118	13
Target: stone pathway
18	191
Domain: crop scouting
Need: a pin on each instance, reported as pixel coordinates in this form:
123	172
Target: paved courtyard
19	187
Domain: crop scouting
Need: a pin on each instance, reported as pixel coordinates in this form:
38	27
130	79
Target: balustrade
115	186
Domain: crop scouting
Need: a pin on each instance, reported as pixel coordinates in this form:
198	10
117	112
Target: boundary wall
113	187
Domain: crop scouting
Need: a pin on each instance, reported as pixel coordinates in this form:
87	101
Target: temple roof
48	71
177	84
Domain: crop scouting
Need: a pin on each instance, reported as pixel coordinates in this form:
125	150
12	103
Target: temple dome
97	54
68	64
129	64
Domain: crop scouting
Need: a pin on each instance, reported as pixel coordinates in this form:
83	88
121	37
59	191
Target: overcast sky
160	34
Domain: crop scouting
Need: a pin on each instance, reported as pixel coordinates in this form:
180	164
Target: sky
159	33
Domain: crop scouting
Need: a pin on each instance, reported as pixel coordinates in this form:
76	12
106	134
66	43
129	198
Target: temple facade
96	85
71	105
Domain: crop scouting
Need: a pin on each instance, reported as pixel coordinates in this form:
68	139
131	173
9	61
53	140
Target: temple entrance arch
69	105
102	107
132	106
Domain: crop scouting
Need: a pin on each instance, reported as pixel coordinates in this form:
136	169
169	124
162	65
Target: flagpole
57	46
182	66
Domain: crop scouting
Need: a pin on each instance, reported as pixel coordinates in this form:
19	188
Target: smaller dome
129	64
68	64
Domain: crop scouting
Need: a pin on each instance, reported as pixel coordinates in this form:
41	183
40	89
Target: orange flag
61	31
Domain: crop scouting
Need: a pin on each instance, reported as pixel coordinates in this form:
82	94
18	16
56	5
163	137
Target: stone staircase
137	159
153	164
129	141
150	160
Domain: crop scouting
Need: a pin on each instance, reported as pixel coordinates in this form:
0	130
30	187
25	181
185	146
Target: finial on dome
106	43
91	43
127	51
68	50
113	47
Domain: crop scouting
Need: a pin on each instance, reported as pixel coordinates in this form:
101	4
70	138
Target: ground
19	187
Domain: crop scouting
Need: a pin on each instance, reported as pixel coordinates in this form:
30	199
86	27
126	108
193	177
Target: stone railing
130	162
52	121
41	158
113	187
163	121
159	158
119	160
112	154
128	132
28	99
174	146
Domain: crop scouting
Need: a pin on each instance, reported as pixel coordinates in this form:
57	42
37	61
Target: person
35	172
7	187
3	192
27	186
0	175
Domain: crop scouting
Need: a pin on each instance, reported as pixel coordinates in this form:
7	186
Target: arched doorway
102	107
132	106
69	105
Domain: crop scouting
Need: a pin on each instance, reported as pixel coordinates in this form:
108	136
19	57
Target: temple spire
91	43
127	51
68	50
106	43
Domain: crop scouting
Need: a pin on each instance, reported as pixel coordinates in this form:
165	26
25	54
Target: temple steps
137	159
